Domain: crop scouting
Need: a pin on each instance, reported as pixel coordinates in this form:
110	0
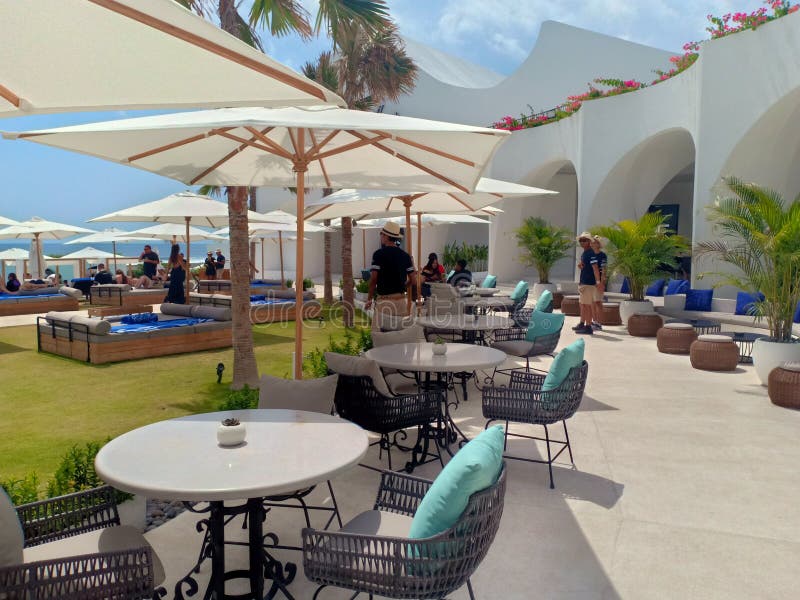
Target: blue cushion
543	323
569	358
489	282
656	288
745	303
626	287
519	291
677	286
474	468
139	318
698	299
797	313
450	274
545	300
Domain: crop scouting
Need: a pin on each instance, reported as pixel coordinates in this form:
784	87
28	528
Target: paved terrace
685	486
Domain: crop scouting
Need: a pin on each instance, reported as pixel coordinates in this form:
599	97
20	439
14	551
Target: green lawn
48	403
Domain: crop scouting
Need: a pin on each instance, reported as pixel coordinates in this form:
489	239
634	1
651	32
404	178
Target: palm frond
341	17
281	17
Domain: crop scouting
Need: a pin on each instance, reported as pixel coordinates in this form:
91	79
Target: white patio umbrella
6	221
38	229
348	202
111	235
181	208
275	230
12	254
87	253
140	54
314	146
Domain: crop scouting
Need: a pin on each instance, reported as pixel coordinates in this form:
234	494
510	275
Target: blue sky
497	34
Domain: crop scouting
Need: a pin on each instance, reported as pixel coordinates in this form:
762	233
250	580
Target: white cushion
11	537
312	395
358	366
791	366
409	335
378	522
110	539
610	304
710	337
514	347
645	313
401	385
678	326
71	291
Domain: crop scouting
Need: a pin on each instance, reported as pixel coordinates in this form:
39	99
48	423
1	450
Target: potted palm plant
543	244
639	250
759	235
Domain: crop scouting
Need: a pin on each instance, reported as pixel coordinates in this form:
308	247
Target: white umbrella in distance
140	54
88	252
111	235
38	229
12	254
5	221
181	208
300	147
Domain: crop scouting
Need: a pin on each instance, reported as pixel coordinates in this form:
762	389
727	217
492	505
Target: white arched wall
560	210
639	177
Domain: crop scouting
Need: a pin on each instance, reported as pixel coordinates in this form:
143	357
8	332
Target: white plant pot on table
768	355
440	349
231	435
628	308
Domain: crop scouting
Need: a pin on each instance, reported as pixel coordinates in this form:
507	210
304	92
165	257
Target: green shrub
308	284
353	343
244	398
289	283
362	286
22	491
76	471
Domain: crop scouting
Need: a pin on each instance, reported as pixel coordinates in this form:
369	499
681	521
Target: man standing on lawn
589	283
391	272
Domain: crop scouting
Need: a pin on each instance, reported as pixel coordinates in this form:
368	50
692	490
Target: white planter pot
231	435
538	288
767	355
440	349
627	308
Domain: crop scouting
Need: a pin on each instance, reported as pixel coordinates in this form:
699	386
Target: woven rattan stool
610	314
570	306
714	353
644	324
784	385
557	298
675	338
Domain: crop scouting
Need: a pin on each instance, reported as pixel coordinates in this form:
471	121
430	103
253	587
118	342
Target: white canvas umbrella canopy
183	207
111	235
315	146
275	230
38	229
12	254
173	231
89	252
5	221
139	54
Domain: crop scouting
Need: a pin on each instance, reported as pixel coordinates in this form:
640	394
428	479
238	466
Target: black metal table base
263	566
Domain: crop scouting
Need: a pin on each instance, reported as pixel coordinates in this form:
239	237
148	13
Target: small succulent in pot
231	422
439	340
231	432
439	346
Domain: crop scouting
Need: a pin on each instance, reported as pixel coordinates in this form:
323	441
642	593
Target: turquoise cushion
474	468
489	282
519	291
450	274
569	358
543	323
545	300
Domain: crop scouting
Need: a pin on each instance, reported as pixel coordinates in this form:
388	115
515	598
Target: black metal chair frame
524	401
358	400
397	567
119	574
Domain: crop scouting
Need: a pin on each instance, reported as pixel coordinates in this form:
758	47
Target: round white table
492	302
284	451
483	292
472	329
461	360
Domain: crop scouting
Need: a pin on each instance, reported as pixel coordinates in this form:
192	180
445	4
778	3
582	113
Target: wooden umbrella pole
188	261
364	247
280	252
263	260
419	256
407	204
300	167
114	253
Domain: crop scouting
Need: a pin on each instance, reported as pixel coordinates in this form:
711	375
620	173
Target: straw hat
585	235
392	230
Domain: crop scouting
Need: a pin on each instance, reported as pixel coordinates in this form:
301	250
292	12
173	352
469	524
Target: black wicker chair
523	401
385	561
129	570
513	342
358	400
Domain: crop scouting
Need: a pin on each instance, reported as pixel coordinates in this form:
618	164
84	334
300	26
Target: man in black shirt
150	262
219	263
102	276
588	283
392	270
462	276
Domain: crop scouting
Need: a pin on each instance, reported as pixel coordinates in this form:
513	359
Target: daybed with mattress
275	307
121	294
223	286
31	302
178	329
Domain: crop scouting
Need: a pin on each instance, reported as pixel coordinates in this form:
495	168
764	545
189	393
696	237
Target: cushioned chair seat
514	347
378	522
400	384
109	539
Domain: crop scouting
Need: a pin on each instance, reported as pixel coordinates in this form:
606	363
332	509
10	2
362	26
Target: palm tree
279	17
543	245
368	67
